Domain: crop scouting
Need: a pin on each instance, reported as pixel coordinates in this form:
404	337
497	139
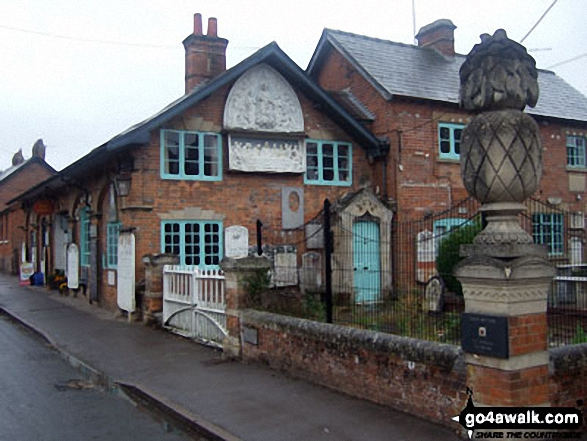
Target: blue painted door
366	262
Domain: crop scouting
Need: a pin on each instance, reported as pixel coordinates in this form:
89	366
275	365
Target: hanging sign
43	207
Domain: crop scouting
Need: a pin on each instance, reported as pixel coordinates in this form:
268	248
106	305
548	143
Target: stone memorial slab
285	271
126	272
292	207
72	266
314	236
311	272
236	242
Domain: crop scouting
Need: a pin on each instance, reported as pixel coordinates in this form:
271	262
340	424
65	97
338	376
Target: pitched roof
271	54
276	58
422	72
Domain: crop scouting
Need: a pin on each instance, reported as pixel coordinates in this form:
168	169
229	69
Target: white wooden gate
194	304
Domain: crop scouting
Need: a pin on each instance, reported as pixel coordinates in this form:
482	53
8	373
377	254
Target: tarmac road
43	398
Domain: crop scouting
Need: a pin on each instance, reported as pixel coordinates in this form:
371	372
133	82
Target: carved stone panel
262	100
311	272
126	272
292	207
285	271
236	242
272	155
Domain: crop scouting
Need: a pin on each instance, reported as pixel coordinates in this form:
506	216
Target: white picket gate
194	303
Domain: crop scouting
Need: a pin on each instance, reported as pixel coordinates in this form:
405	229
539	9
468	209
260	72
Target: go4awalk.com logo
521	422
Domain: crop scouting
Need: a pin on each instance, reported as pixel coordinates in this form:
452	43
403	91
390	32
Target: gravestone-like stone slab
236	242
311	272
126	272
72	266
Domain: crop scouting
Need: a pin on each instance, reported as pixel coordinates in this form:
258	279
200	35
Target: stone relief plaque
247	153
236	242
285	271
311	272
72	266
292	207
262	100
126	272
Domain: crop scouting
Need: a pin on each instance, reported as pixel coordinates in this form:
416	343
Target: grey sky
62	80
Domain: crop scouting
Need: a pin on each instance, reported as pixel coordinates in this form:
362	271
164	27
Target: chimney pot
212	27
205	55
197	24
439	35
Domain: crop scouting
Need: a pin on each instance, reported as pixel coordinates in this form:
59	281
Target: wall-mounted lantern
123	184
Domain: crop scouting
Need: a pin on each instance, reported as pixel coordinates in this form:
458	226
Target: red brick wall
423	378
238	199
21	180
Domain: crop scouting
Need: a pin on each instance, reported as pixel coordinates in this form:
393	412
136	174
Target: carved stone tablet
126	272
262	100
236	242
72	266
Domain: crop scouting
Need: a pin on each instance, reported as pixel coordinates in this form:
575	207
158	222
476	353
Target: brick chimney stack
440	35
205	55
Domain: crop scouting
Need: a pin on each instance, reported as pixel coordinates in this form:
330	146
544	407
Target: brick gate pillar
152	302
505	276
237	273
505	335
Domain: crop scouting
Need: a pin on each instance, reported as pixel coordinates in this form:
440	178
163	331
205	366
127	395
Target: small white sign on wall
72	266
126	272
111	278
236	242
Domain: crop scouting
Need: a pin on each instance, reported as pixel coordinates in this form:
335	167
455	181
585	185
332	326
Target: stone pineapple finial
498	74
18	158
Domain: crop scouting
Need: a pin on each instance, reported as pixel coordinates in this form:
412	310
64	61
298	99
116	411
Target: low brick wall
568	375
423	378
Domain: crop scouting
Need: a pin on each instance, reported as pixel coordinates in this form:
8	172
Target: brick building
412	94
372	125
259	141
13	181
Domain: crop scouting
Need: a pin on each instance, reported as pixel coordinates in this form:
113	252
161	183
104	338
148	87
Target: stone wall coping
568	358
250	263
410	349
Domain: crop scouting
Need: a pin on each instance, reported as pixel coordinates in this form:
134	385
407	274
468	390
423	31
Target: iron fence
356	271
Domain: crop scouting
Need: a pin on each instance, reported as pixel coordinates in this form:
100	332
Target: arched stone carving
362	204
262	100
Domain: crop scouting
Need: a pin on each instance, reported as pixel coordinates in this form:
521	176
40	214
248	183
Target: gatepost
152	302
505	276
237	272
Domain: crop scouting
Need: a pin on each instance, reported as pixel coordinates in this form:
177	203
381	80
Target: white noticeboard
236	242
126	272
72	266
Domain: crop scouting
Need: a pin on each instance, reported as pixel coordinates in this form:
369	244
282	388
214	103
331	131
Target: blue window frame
191	155
449	140
576	152
548	229
112	233
196	243
84	236
443	228
328	163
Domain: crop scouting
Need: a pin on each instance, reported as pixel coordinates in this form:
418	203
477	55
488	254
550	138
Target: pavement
220	399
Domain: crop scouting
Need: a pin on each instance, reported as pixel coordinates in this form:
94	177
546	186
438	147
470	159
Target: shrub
448	253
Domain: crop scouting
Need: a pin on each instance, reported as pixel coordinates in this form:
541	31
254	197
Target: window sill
577	169
449	160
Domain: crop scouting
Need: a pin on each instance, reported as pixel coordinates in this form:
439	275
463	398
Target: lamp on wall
123	181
